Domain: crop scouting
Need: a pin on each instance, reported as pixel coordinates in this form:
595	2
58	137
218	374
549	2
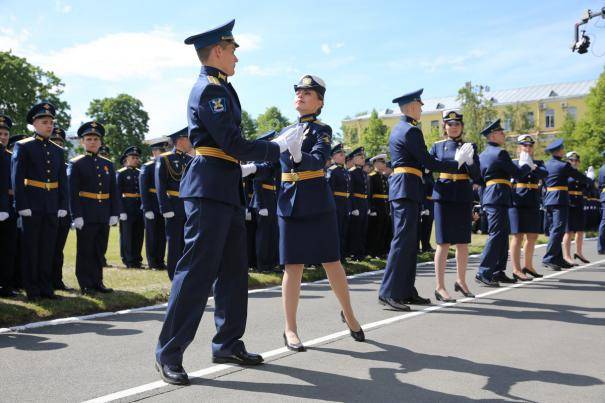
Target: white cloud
259	71
327	48
62	7
11	40
457	63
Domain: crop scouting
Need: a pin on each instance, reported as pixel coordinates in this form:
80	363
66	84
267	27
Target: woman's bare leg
462	264
338	281
528	251
290	296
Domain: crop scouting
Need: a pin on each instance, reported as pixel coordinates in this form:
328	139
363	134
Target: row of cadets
8	216
155	232
340	182
379	220
358	221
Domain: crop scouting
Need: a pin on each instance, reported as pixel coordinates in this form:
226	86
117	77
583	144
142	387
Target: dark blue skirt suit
577	217
524	215
453	195
308	226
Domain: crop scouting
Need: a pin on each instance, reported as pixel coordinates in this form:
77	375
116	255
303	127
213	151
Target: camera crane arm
582	42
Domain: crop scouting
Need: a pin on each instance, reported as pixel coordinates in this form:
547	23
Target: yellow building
545	108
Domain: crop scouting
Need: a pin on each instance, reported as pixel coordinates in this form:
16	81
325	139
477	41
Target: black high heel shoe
458	287
442	298
519	278
531	273
298	347
580	258
358	335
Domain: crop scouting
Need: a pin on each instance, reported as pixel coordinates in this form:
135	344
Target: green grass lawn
136	288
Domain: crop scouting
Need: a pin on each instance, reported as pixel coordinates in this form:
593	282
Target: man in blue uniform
169	169
40	188
556	201
131	216
8	223
601	183
94	205
338	178
358	221
215	234
409	157
497	168
155	233
378	218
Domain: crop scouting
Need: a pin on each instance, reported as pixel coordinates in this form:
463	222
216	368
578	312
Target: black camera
581	46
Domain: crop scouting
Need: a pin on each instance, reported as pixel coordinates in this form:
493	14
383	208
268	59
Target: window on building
531	120
550	118
572	112
435	123
508	122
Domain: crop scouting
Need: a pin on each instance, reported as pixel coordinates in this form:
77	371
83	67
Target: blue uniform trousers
57	266
495	252
556	217
8	251
601	246
358	228
38	233
267	242
131	240
174	239
342	217
400	272
215	239
155	241
90	254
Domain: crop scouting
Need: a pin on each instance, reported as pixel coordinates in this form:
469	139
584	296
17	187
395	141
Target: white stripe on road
317	341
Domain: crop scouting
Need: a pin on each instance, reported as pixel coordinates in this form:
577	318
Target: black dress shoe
356	335
418	300
396	304
568	265
531	273
241	358
486	281
552	266
503	278
172	374
298	347
8	293
458	287
105	290
442	298
49	296
88	291
580	258
62	287
33	297
519	278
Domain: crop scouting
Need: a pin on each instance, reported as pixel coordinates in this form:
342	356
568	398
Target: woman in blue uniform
308	227
577	221
453	205
524	215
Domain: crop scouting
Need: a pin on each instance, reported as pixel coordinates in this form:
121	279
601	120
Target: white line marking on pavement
273	353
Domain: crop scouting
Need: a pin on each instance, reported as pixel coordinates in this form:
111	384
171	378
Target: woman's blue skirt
309	240
525	220
453	222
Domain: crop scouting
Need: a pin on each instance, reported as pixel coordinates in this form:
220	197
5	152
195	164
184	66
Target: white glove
3	215
248	215
590	172
19	222
113	220
264	212
149	215
470	153
425	212
295	143
282	139
25	213
248	169
525	159
123	216
78	223
460	157
355	213
372	214
61	213
169	214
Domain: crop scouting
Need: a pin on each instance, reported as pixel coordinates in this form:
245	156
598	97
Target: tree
125	123
350	136
23	85
516	116
477	111
375	136
248	126
272	119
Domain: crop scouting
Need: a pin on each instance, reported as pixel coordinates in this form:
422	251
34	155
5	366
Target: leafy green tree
125	123
516	116
272	119
477	111
375	136
22	85
248	126
350	136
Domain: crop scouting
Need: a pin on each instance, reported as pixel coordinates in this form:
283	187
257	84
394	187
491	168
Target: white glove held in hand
61	213
295	144
282	139
25	213
355	213
123	216
248	215
3	216
113	220
169	214
248	169
590	172
525	159
469	152
78	223
373	214
264	212
425	212
149	215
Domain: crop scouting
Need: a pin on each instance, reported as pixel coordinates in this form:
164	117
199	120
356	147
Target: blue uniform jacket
359	186
559	172
93	174
127	186
340	182
311	196
379	187
496	164
601	182
40	160
576	192
5	179
529	197
453	189
265	185
214	116
169	169
149	200
408	149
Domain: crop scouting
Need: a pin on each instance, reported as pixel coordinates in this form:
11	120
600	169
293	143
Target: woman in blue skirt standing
308	227
577	221
453	198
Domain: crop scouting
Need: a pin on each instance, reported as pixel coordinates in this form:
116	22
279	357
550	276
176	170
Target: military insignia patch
326	139
307	81
452	115
106	168
218	105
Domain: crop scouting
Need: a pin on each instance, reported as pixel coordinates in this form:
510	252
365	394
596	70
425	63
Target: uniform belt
96	196
301	176
454	177
215	152
131	195
499	182
40	184
557	188
152	190
575	192
341	194
250	195
269	187
429	197
379	196
408	170
526	185
172	193
359	195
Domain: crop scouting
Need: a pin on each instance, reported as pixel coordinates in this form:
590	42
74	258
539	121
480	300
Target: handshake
465	154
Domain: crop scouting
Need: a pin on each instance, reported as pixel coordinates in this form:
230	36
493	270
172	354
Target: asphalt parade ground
541	341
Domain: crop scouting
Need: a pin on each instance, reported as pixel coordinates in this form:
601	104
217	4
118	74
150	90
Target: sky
367	52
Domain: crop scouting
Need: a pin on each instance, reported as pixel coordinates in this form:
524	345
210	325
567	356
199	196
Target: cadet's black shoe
8	293
503	278
88	291
458	287
396	304
298	347
442	298
49	296
519	278
33	297
172	374
531	273
417	300
486	281
358	335
62	287
568	265
103	289
552	266
241	358
580	258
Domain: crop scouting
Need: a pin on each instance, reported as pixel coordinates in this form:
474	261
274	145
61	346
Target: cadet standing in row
601	183
358	222
379	222
8	222
340	183
105	153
